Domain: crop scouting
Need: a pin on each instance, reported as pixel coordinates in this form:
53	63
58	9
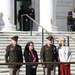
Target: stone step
5	39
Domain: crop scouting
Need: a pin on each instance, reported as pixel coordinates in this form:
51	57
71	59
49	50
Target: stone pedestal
5	9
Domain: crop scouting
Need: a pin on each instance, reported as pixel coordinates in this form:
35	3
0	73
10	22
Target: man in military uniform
14	54
49	54
31	13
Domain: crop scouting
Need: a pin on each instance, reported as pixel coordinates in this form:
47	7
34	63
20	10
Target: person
30	55
21	20
14	54
64	56
31	13
49	53
71	20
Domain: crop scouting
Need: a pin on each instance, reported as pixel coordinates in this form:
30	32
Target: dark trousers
30	24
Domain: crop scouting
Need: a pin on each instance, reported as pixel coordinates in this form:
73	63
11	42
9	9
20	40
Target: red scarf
33	58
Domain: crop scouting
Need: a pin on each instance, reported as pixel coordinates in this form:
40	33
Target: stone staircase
24	37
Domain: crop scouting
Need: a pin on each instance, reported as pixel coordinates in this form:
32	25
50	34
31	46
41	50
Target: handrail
39	26
20	63
43	27
72	38
36	23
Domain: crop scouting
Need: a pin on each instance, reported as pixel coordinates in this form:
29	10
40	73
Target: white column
73	3
5	8
12	11
46	14
54	16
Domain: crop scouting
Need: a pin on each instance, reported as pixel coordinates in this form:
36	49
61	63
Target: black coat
49	54
70	19
28	58
13	54
31	13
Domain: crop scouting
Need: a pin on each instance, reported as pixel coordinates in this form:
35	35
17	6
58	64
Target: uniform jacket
13	54
49	54
31	13
64	54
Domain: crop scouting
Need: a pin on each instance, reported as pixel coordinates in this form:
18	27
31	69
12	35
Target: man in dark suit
14	55
49	54
71	20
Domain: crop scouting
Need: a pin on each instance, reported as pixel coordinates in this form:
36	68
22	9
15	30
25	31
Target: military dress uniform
31	13
48	54
14	55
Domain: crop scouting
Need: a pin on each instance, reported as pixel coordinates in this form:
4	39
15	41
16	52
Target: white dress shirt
64	54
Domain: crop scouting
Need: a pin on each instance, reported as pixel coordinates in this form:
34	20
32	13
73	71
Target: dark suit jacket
31	13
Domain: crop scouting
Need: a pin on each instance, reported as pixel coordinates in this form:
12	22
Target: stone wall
62	8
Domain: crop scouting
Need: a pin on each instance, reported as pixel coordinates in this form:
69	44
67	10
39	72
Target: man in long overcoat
31	13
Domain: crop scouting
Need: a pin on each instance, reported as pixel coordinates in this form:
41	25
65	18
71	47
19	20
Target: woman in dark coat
30	55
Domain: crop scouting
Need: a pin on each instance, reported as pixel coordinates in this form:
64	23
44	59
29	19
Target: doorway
17	4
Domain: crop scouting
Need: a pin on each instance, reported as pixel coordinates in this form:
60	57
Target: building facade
50	14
